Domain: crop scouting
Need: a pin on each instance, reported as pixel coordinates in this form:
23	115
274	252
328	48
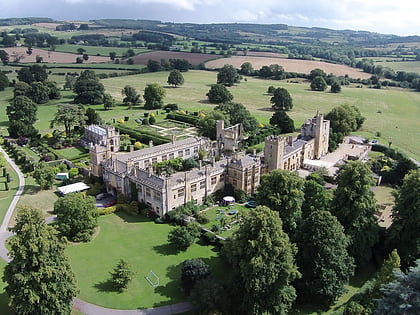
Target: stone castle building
131	173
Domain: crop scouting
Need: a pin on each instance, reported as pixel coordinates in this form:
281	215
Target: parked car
110	203
102	196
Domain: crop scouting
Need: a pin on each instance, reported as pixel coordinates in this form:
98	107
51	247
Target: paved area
78	304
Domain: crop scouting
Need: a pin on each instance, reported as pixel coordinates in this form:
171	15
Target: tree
238	113
317	73
121	275
153	66
4	57
22	109
193	271
80	50
345	118
88	89
322	258
79	60
281	191
181	237
246	69
354	205
335	87
318	84
316	198
131	97
112	55
39	92
153	96
218	93
4	81
70	81
19	128
92	117
39	276
206	126
405	229
402	296
44	175
109	102
283	122
33	73
38	59
77	216
85	57
69	116
175	78
228	76
21	88
263	267
281	100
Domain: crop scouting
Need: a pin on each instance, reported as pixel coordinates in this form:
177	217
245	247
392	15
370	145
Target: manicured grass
383	195
143	244
72	153
7	196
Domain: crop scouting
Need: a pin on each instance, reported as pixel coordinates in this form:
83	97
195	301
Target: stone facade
132	173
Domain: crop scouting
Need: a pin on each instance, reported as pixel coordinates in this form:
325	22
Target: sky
381	16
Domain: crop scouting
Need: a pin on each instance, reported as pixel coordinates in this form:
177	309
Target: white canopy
72	188
228	199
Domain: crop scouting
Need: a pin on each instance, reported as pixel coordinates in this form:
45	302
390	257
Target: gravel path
78	304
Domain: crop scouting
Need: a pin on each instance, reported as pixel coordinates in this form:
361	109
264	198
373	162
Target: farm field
50	56
95	50
193	58
143	244
407	66
290	65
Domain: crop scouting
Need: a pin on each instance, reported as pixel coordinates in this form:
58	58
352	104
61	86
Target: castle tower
322	136
273	152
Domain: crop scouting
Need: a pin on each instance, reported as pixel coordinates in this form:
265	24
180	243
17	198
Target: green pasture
407	66
143	244
7	196
98	50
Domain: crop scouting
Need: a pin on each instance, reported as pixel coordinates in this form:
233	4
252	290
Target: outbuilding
76	187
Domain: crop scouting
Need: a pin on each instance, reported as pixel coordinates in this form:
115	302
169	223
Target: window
222	176
213	180
202	184
195	149
146	163
187	151
139	188
154	160
193	187
148	194
157	195
181	192
171	156
164	157
181	153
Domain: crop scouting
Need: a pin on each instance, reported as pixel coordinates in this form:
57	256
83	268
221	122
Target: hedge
143	136
189	119
108	210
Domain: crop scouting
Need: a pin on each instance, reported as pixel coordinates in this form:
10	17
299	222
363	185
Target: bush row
193	120
142	136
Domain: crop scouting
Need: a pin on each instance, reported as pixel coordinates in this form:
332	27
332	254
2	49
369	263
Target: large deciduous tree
354	205
44	175
69	116
405	229
228	76
77	216
281	100
262	260
218	93
153	96
88	89
34	73
283	122
281	191
316	198
4	81
4	57
39	277
238	113
345	118
22	115
322	258
175	78
207	125
318	84
131	97
193	271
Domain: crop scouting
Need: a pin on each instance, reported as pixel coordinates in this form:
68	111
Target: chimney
173	139
131	148
150	143
290	140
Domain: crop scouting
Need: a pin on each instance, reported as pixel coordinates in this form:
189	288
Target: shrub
104	211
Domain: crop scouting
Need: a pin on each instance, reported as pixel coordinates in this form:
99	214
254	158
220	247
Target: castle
131	173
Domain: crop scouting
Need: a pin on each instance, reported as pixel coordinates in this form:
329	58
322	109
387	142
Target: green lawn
143	244
7	196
